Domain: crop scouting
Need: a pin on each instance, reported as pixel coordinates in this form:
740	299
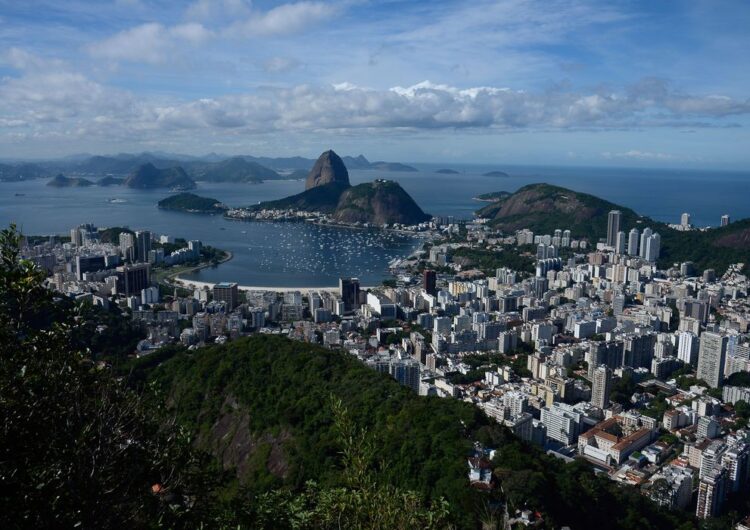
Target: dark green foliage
76	447
622	389
488	261
280	386
112	235
319	199
715	248
544	208
739	379
494	196
379	202
189	202
107	334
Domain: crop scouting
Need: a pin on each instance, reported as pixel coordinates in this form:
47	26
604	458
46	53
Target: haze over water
301	255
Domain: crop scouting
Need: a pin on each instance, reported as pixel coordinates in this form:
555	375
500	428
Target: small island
493	196
191	203
447	171
61	181
110	181
393	166
499	174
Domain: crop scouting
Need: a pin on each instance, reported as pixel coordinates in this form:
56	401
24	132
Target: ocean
303	255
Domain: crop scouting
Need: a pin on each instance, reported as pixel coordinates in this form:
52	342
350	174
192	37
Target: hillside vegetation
261	405
190	202
544	208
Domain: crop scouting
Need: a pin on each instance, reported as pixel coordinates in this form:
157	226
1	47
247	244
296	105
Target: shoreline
197	284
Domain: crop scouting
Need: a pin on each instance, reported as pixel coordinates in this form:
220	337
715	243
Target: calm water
284	254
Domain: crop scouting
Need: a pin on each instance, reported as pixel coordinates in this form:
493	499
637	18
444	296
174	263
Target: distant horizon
445	162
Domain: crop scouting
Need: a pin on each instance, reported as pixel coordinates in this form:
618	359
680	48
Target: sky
552	82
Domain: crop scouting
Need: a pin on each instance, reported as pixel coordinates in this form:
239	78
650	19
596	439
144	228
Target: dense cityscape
596	354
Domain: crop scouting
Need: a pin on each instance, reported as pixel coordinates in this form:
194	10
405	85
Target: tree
76	447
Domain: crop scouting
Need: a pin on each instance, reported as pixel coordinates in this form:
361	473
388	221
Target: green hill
379	202
260	405
543	208
318	199
149	176
189	202
61	181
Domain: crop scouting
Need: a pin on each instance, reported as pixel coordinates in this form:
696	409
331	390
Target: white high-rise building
644	237
620	243
601	387
685	220
653	247
633	242
687	348
712	358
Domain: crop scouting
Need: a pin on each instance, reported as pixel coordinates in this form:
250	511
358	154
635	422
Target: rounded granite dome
328	169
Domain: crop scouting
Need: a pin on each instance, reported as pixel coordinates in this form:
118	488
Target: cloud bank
48	99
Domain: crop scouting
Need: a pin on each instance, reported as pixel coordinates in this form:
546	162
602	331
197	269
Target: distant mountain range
211	167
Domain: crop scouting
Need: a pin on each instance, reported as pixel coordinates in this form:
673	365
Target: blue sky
577	82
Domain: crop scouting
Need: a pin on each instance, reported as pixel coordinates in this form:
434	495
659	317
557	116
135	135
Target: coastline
196	284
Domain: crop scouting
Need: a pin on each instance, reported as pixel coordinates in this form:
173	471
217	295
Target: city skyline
575	83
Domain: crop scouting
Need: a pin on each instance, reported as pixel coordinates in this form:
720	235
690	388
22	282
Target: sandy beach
194	284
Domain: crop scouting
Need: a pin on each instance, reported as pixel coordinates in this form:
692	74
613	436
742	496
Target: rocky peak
328	169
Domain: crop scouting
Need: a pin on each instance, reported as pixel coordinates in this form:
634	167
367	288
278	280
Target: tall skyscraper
228	293
614	220
127	246
711	492
349	292
644	237
687	350
76	239
620	243
712	358
633	242
685	220
725	220
601	387
142	245
653	247
429	281
132	279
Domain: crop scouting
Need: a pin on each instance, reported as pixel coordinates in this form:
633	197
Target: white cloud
150	42
283	19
